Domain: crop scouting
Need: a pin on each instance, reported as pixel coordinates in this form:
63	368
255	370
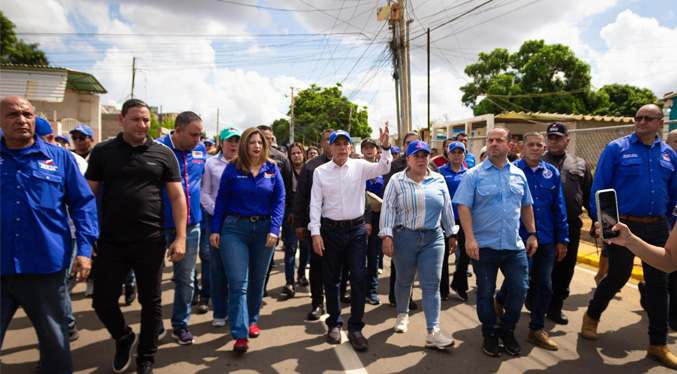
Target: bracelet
533	233
387	149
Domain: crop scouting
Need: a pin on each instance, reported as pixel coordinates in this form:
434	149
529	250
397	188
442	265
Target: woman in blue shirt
415	202
247	217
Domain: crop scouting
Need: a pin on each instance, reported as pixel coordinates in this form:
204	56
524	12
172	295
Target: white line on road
345	352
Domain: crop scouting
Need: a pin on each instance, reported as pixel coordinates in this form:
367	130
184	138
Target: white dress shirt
338	191
211	179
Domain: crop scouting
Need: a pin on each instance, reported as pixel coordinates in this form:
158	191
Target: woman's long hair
300	146
243	161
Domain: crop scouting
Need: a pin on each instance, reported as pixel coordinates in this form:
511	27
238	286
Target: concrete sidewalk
589	254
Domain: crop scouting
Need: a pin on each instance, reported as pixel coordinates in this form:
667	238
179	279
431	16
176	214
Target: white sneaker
436	339
402	322
219	322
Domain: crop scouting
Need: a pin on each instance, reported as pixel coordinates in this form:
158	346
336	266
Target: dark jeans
563	271
373	253
43	299
621	261
205	291
349	243
113	264
290	245
444	279
304	257
316	282
460	280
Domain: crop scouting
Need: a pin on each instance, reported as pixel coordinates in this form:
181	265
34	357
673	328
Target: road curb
587	254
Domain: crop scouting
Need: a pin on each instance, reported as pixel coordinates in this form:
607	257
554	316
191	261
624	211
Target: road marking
346	354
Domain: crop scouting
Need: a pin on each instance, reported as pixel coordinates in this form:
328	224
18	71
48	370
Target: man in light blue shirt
491	199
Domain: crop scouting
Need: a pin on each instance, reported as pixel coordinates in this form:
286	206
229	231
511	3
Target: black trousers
460	281
563	271
113	263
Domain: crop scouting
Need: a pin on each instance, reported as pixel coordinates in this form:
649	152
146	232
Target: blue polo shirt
38	183
550	214
470	160
191	167
246	195
643	176
495	198
453	180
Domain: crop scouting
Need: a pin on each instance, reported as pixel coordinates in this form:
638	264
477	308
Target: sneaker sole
129	359
182	342
548	347
400	331
491	354
218	324
438	345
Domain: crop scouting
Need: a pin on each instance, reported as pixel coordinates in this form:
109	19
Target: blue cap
83	129
454	145
416	146
209	141
42	127
338	133
395	149
62	137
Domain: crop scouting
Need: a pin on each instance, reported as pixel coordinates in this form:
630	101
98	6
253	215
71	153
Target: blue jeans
513	265
290	244
621	261
421	250
183	275
205	291
541	284
69	306
218	280
349	243
43	298
246	260
373	253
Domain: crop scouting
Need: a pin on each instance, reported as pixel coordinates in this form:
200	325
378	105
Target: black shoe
642	294
196	298
334	335
412	305
123	352
346	297
558	317
527	301
203	306
461	295
358	341
288	289
374	300
130	294
303	281
73	333
316	313
273	264
490	346
144	367
510	344
391	300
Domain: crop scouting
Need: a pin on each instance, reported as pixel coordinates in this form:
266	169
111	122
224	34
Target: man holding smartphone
643	171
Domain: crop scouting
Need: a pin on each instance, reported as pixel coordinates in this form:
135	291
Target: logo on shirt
151	163
269	175
630	155
666	156
48	165
243	176
198	154
547	174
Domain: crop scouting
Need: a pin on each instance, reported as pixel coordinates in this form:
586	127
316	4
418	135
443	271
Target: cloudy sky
243	56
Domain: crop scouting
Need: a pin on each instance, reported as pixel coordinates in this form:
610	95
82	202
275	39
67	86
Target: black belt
345	223
250	218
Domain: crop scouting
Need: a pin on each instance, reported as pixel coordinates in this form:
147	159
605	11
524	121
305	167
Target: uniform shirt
191	167
549	210
576	182
399	164
247	195
453	179
416	206
338	192
38	185
644	177
301	207
211	179
495	198
133	180
470	160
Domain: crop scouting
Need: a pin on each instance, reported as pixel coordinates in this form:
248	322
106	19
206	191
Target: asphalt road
289	343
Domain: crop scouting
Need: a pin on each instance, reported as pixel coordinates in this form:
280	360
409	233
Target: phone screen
609	213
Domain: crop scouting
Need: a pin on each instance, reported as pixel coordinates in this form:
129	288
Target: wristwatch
533	233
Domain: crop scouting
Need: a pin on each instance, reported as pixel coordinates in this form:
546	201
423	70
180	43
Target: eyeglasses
79	137
645	118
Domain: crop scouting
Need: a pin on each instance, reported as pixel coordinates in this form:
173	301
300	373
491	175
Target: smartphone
607	212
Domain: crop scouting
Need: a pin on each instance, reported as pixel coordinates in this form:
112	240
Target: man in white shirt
338	229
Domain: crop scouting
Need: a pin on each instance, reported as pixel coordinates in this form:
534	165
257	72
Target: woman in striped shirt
415	205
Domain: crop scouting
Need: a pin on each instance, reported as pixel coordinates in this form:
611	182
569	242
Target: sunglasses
79	137
645	118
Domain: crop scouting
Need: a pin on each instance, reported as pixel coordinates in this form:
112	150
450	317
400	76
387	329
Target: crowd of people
126	205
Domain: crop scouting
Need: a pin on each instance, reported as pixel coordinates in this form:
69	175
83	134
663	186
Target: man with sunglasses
83	140
643	171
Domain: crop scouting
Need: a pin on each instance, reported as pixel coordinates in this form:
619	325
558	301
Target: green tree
319	108
623	100
167	122
15	51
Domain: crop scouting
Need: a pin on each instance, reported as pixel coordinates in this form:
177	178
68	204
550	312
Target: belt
640	219
344	223
250	218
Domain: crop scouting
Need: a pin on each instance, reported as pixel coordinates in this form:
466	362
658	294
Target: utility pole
428	80
218	135
291	119
133	74
350	117
405	84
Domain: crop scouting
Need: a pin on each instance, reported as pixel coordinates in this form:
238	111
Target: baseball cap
338	133
209	141
395	149
229	132
418	145
64	138
483	150
368	141
42	127
557	129
454	145
83	129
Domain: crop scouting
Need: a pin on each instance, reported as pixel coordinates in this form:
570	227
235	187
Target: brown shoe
358	340
334	335
499	311
589	328
662	353
541	339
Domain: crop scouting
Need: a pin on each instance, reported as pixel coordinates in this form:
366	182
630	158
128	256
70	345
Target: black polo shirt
133	179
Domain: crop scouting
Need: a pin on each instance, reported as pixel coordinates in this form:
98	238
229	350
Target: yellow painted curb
587	254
